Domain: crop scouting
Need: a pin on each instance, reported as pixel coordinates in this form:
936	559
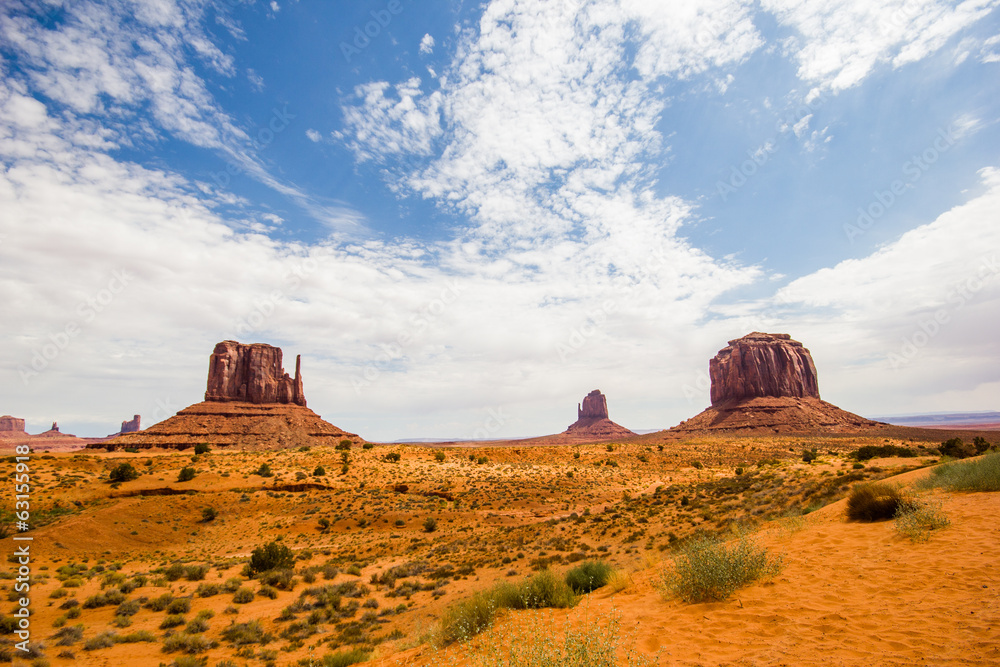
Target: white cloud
313	135
921	311
427	44
838	43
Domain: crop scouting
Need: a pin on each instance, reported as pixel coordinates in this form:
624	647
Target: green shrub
708	570
874	502
367	445
869	452
103	640
243	596
186	643
469	617
136	637
128	608
809	455
179	606
957	449
280	578
123	472
392	457
208	514
343	658
319	471
160	603
271	556
264	471
430	524
917	518
186	475
207	590
172	621
201	448
241	634
588	576
982	474
439	456
69	635
196	626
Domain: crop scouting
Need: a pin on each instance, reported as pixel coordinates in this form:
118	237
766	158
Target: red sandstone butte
762	364
252	373
593	422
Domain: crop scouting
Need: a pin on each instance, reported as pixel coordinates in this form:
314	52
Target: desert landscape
507	333
245	530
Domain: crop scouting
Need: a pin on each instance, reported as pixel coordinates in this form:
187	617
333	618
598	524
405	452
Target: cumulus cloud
837	44
427	44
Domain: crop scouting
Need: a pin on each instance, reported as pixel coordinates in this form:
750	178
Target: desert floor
849	593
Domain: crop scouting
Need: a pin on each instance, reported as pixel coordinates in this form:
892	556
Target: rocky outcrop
762	364
236	425
252	373
766	383
12	425
594	406
131	426
592	421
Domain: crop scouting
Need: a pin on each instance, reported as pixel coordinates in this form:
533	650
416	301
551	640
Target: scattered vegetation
588	576
707	570
980	475
123	472
869	452
916	518
874	502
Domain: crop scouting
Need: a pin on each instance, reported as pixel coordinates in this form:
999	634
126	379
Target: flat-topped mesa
252	373
594	406
132	425
10	424
762	364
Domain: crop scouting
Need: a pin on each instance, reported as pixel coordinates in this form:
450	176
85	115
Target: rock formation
594	406
767	383
131	426
11	425
761	364
250	403
252	374
592	421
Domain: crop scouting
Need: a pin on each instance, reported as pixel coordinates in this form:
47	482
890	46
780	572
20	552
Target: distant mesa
252	374
250	403
768	383
11	426
592	420
129	426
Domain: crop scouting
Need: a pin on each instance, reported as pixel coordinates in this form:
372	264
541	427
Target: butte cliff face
767	383
761	364
250	403
592	420
252	374
11	425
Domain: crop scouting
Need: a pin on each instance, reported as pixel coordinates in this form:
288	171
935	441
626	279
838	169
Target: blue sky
496	206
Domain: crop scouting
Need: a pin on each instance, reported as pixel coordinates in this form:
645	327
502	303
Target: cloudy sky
465	216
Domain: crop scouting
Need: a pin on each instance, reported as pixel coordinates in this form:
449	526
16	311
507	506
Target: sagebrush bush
588	576
709	570
123	472
874	502
469	617
241	634
540	643
271	556
343	658
182	641
982	474
916	518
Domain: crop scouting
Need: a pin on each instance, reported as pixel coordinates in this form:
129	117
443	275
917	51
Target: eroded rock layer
252	373
762	364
